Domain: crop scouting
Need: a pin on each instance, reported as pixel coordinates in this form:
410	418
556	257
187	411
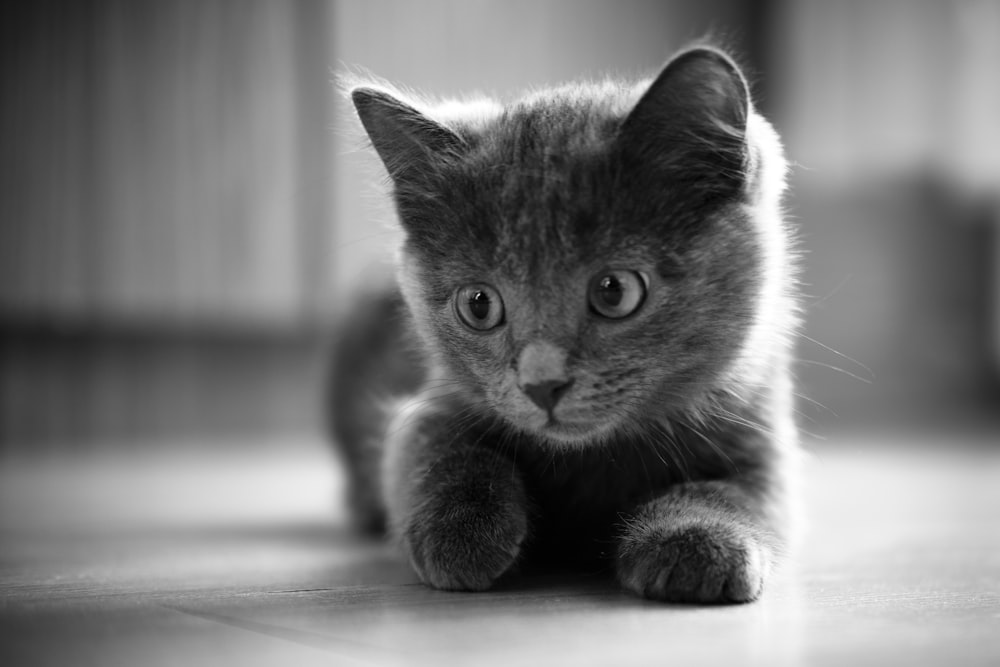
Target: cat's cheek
711	563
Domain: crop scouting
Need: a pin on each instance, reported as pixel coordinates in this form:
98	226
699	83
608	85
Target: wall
164	162
890	112
166	209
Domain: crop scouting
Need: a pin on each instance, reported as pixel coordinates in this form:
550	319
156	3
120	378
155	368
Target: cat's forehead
556	129
542	178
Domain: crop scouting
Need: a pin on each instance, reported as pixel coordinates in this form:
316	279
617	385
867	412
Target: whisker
813	401
832	292
715	447
671	442
840	354
835	368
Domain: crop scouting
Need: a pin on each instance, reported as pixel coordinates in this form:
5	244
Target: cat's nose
542	373
547	394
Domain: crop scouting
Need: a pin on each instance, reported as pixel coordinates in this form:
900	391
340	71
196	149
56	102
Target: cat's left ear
409	143
693	117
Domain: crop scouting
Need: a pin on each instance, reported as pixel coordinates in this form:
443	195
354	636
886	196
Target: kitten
599	284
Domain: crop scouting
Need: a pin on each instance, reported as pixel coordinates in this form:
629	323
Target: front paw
695	563
465	546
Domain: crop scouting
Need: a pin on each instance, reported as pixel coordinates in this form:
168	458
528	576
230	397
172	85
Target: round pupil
479	304
610	289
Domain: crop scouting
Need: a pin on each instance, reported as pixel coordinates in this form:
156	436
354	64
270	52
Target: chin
573	435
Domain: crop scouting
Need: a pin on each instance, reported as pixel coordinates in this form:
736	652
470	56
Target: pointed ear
693	117
409	143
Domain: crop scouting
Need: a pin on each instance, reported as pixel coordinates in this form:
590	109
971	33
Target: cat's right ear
409	143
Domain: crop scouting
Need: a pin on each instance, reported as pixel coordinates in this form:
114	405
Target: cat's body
599	282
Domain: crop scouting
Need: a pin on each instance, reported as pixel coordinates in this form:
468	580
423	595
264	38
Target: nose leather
547	394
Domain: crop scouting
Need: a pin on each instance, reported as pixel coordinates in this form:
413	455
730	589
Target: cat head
590	259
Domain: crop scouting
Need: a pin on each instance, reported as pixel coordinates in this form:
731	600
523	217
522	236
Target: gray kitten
593	325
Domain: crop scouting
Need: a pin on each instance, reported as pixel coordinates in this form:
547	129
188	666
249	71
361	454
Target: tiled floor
193	560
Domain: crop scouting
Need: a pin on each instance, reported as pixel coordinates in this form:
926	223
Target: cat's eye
617	293
479	306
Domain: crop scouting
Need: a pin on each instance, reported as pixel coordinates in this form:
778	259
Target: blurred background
184	211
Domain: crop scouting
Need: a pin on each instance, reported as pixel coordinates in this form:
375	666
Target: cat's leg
699	542
458	507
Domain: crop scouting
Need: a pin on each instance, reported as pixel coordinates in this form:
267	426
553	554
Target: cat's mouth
565	425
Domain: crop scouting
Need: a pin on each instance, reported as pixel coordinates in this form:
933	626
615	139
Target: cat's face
580	264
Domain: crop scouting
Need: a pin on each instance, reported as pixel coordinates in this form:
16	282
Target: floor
194	559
